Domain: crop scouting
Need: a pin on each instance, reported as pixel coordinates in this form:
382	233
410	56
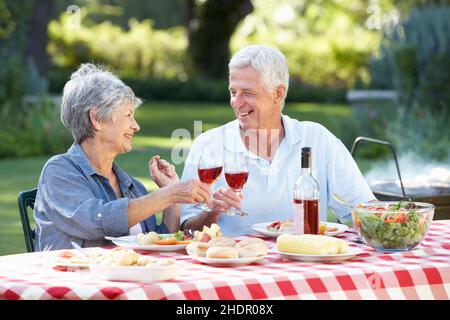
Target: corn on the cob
341	244
311	244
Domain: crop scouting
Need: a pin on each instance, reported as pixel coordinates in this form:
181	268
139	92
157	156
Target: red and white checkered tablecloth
423	273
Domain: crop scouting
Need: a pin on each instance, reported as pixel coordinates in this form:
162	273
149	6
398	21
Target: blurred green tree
37	38
210	25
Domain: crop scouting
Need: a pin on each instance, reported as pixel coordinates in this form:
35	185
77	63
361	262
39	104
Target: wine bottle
306	198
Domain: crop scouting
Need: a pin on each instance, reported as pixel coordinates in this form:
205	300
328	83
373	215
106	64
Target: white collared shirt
268	193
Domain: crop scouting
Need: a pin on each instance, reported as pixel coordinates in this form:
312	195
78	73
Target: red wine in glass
209	175
236	180
236	175
209	170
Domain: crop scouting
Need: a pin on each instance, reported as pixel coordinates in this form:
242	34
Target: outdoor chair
26	199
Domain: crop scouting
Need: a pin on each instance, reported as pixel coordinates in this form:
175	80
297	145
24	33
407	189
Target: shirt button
99	215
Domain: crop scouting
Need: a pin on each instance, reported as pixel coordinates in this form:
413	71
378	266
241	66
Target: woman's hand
162	172
191	191
224	199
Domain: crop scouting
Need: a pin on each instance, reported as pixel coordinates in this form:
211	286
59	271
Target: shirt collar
233	140
291	133
78	155
124	179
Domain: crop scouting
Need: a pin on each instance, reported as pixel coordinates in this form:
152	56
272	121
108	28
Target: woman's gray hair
268	61
92	86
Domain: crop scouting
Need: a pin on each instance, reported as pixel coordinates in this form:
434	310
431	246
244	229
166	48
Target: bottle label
299	216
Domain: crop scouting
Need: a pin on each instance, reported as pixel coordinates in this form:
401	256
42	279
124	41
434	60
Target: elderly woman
83	195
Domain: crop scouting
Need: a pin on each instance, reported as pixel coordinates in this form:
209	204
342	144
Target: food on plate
197	249
128	257
222	252
287	227
118	256
221	242
323	229
207	233
393	225
311	244
253	250
152	237
223	247
148	238
280	226
71	257
248	241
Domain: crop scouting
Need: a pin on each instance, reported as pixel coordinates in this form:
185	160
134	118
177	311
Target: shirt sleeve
344	179
162	228
69	201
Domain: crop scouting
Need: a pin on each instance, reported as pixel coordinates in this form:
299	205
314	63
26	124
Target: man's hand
224	199
162	172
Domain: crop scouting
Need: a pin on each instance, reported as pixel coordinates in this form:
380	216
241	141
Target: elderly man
83	195
271	144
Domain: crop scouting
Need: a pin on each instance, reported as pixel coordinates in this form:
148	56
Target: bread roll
221	242
149	238
248	241
222	252
127	258
196	249
143	261
139	237
253	250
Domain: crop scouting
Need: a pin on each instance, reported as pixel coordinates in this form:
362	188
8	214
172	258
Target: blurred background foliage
414	60
179	49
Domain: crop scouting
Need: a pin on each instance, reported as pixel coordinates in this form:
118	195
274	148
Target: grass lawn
157	121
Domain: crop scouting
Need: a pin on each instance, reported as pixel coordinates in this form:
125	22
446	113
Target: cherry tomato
401	218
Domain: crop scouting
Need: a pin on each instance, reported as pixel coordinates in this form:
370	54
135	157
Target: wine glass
209	170
236	175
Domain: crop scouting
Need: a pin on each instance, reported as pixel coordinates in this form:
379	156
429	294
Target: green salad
392	226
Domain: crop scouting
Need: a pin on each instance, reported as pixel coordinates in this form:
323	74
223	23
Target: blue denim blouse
75	203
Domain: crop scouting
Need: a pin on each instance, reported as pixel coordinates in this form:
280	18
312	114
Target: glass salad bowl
390	226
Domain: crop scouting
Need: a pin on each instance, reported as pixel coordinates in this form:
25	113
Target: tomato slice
66	254
275	224
206	237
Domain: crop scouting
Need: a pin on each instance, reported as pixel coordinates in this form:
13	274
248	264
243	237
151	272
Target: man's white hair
270	63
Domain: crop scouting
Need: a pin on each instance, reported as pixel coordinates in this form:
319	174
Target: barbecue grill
435	192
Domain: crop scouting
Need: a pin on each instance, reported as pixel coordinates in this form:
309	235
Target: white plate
262	229
352	252
131	243
228	262
61	263
77	260
139	274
